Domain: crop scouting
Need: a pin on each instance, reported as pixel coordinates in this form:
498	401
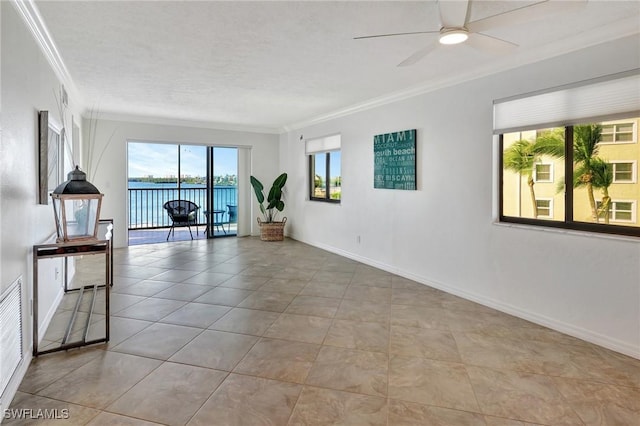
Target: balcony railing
146	211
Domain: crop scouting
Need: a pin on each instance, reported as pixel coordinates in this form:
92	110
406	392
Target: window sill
321	200
572	232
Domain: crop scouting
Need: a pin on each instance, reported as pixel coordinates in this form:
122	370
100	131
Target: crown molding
166	121
30	14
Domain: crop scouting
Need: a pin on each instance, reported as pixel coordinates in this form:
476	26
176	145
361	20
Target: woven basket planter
272	231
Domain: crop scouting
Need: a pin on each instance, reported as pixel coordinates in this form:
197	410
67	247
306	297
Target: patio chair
233	215
182	213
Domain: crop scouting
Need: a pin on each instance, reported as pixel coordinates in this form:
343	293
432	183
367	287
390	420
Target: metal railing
146	211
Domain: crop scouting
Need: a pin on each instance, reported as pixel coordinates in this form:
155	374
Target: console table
101	247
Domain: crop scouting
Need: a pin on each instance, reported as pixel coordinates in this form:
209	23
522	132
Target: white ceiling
275	65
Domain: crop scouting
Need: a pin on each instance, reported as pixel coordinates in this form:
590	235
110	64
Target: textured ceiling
278	64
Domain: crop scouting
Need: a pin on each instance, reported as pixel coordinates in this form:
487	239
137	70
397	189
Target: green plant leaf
257	187
280	181
275	194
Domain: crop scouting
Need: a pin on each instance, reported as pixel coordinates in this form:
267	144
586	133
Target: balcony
149	222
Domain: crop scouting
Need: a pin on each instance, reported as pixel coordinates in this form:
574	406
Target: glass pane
623	172
320	176
623	216
225	191
543	172
624	167
152	181
623	206
152	163
335	182
606	137
521	152
544	208
624	137
193	177
625	127
604	172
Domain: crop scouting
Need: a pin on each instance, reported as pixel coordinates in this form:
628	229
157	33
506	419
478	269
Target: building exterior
618	147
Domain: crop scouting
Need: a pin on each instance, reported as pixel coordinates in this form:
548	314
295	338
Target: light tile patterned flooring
242	332
159	235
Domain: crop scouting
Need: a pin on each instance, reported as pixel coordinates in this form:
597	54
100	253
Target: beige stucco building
618	146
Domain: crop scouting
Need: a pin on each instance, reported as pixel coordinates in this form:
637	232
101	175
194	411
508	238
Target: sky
161	160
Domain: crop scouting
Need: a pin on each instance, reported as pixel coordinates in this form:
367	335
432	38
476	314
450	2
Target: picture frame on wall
50	156
395	161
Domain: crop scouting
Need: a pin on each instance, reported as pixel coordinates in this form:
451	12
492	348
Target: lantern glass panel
76	216
57	211
81	217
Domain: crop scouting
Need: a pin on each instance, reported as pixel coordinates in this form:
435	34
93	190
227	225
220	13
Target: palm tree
522	156
585	150
602	178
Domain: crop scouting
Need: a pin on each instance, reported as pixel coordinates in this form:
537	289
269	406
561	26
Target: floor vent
10	332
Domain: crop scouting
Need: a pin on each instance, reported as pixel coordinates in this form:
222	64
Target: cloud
161	160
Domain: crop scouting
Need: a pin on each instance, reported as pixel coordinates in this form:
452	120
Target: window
543	173
528	173
561	167
619	132
624	172
325	177
601	173
545	208
619	211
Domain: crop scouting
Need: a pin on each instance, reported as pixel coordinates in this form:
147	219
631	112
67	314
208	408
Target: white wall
444	233
110	175
28	86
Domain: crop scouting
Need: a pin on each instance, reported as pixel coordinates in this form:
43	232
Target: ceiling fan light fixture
453	35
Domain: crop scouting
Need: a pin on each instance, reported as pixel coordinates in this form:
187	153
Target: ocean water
146	201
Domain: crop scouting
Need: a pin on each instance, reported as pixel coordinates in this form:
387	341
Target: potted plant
270	228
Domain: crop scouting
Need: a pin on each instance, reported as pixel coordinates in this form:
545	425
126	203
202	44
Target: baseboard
566	328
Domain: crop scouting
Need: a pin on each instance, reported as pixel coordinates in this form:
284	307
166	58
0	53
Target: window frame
613	217
634	175
634	134
550	201
535	173
327	173
568	222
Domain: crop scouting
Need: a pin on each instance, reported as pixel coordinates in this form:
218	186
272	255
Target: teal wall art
395	160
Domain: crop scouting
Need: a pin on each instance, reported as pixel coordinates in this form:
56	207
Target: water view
146	200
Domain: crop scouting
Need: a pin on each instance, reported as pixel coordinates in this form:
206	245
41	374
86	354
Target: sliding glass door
204	175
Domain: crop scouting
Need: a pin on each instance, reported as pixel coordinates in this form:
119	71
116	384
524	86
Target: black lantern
76	206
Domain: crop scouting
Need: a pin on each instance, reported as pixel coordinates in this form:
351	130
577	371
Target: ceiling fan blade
395	34
419	55
525	14
490	44
453	13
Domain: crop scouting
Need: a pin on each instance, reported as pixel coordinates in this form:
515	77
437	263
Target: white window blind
601	98
324	144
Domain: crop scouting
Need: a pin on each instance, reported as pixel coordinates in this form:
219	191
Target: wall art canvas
395	160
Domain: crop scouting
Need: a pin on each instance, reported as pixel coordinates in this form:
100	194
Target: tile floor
159	235
241	332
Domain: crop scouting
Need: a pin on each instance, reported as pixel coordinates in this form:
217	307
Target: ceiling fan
455	28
